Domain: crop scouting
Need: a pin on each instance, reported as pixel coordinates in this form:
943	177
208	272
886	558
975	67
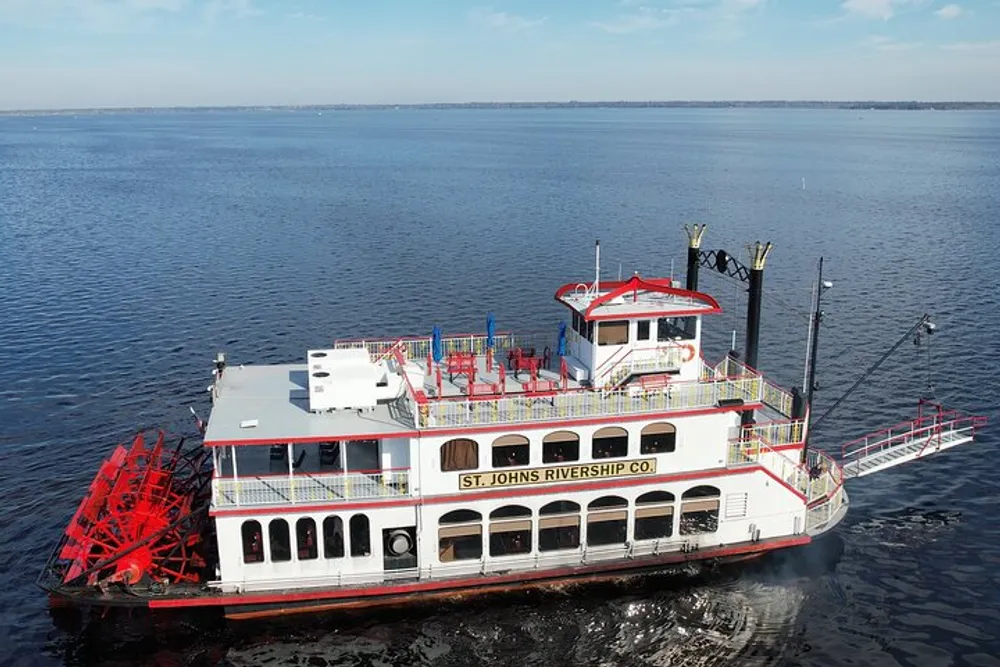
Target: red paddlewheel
137	520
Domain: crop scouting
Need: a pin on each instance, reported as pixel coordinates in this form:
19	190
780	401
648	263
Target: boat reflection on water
697	616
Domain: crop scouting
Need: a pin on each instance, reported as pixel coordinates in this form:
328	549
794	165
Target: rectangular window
654	522
560	448
643	330
558	532
510	537
510	450
606	528
613	333
462	542
676	328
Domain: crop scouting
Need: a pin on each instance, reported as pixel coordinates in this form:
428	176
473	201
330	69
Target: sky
127	53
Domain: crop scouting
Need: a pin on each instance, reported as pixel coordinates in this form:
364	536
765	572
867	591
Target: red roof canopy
635	284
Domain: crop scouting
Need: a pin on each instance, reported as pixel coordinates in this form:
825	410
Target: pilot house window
676	328
612	333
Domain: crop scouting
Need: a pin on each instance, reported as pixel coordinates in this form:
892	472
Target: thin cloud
876	9
238	8
973	47
644	19
489	18
949	12
889	44
711	12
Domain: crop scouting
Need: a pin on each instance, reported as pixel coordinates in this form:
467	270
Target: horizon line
849	103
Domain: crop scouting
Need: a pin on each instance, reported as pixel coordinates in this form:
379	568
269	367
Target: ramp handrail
929	425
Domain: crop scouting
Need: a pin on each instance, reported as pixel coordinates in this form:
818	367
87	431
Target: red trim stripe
371	591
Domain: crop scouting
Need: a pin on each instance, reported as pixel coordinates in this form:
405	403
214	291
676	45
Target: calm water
132	247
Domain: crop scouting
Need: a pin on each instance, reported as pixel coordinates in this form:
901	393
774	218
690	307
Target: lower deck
361	545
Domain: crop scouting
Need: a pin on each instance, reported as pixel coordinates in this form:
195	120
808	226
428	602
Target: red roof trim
634	284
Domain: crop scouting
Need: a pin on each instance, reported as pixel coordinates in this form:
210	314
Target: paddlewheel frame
140	524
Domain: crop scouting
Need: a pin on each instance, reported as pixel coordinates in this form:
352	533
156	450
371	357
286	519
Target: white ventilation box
342	380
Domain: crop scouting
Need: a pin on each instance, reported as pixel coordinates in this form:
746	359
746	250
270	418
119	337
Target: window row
558	447
511	528
616	332
308	543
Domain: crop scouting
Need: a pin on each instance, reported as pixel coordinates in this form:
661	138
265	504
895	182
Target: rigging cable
924	321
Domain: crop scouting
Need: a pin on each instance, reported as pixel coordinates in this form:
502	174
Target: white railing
778	399
419	347
819	476
666	359
309	488
820	513
584	403
486	565
777	433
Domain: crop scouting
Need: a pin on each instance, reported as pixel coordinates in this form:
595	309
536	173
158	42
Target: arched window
361	543
654	515
281	545
610	442
510	450
559	526
459	454
460	536
607	521
700	510
510	530
253	542
305	538
560	446
333	537
658	438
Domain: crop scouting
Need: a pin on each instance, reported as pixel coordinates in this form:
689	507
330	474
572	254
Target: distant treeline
669	104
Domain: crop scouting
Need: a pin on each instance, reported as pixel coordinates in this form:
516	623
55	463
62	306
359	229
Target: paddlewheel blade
140	519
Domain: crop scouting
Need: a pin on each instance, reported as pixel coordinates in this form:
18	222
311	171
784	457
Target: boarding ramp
916	439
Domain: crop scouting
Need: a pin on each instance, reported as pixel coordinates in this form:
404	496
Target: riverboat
376	472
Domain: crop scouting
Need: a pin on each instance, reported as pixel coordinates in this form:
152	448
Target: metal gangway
929	433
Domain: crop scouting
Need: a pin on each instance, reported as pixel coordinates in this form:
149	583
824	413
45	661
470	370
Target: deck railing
928	426
419	347
309	488
819	476
584	403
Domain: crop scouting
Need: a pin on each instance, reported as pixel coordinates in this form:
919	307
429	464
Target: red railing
929	425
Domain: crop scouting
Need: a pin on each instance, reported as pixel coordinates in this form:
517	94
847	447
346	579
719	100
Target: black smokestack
694	235
758	256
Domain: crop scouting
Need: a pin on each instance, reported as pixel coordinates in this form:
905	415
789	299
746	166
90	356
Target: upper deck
270	404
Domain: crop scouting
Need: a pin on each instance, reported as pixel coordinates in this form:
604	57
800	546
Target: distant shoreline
678	104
